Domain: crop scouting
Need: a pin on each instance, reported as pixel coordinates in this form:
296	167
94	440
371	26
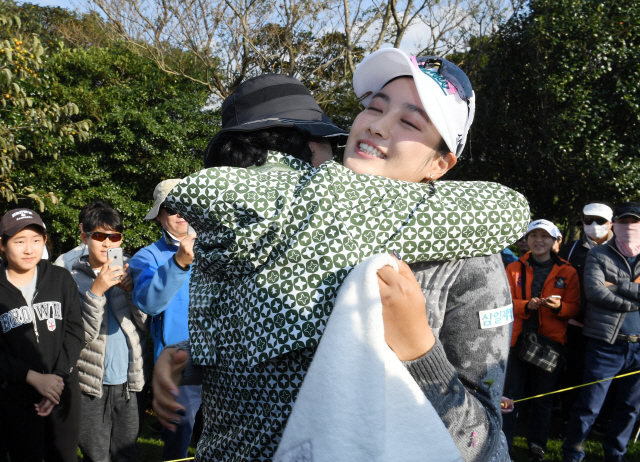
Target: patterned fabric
272	250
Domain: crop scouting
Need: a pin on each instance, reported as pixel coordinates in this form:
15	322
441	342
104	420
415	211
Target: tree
30	120
221	43
148	126
559	106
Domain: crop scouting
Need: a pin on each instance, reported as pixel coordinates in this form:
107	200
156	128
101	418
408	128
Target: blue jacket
161	289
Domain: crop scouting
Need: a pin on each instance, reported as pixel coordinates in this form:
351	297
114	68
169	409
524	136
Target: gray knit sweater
463	374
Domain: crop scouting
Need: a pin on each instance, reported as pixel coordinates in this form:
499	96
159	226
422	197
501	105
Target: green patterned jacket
275	244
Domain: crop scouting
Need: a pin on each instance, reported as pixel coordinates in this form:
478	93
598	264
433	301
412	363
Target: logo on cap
23	214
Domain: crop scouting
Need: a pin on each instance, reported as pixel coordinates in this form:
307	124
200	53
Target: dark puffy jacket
575	252
606	309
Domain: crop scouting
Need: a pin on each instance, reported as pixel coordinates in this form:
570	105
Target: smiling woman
546	294
394	137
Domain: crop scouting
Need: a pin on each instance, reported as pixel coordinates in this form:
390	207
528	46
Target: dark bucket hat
275	100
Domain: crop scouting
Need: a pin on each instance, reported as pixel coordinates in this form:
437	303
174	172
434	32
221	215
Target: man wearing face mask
596	224
612	323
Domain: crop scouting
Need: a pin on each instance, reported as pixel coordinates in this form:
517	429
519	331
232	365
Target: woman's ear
442	164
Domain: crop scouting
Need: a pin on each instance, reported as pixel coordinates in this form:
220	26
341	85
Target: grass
592	447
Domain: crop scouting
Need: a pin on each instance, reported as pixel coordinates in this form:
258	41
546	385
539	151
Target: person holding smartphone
111	365
546	294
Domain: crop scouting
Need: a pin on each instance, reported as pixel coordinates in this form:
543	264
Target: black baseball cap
16	220
627	209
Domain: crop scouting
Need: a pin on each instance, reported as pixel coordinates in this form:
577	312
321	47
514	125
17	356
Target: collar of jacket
43	266
284	160
554	256
612	244
585	242
82	264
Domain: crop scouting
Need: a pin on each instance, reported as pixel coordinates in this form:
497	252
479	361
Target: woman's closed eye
410	124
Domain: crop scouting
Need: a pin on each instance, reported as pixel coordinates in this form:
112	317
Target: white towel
358	402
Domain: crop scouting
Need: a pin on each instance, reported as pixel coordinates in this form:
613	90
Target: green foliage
29	119
559	106
148	126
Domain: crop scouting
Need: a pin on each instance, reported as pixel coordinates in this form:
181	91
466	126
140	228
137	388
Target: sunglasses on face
169	210
100	237
600	221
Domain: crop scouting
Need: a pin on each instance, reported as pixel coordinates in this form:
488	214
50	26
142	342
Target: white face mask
596	231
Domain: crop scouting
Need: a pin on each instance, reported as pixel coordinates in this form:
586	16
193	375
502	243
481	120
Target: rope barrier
180	460
578	386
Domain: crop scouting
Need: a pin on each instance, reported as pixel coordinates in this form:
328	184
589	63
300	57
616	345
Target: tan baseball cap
160	194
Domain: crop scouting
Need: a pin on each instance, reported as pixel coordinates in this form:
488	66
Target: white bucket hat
160	194
444	90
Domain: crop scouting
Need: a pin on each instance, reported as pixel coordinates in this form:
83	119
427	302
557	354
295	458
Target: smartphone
191	230
115	254
554	296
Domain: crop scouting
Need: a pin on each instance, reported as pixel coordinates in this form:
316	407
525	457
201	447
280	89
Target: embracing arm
173	368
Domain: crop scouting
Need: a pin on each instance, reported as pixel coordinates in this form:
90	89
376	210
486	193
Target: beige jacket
134	324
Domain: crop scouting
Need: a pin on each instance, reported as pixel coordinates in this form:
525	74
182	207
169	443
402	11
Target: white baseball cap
444	90
547	226
598	210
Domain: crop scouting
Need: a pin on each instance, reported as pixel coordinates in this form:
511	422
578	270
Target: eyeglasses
100	237
600	221
169	210
452	73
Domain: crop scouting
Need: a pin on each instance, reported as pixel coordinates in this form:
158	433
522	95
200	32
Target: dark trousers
110	425
30	438
519	373
604	360
574	370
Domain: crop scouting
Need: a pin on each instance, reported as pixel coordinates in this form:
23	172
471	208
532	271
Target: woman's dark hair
244	149
102	217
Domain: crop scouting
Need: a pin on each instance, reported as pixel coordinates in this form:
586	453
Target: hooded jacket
45	339
606	309
95	316
562	280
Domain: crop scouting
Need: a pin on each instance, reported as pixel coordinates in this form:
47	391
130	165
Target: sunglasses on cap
100	237
452	74
601	221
